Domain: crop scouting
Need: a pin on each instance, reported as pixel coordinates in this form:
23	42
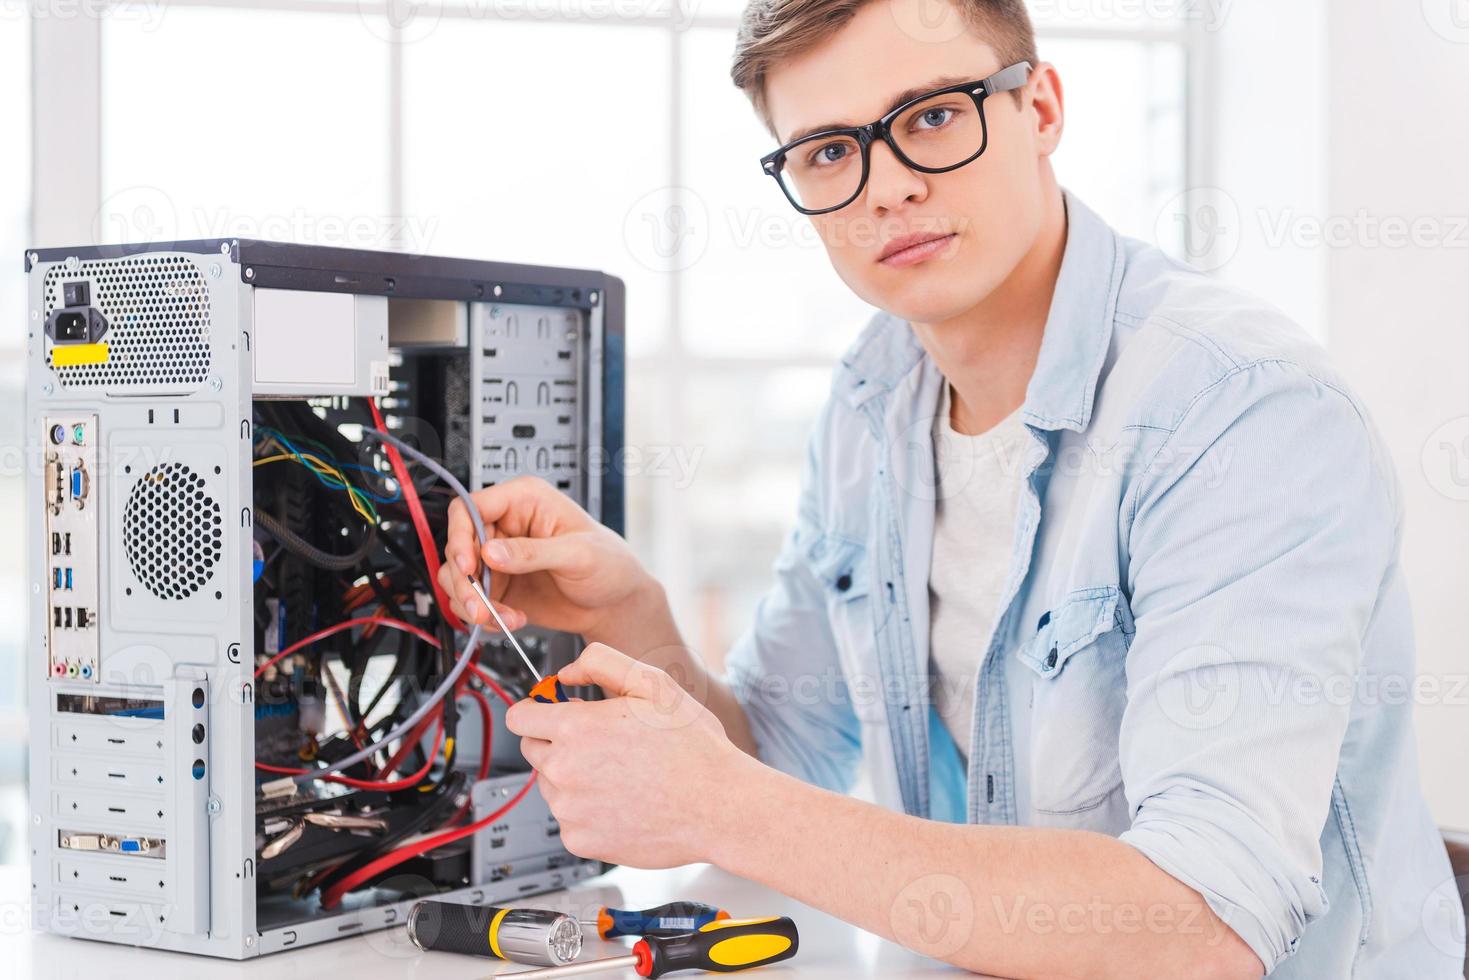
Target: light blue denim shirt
1204	594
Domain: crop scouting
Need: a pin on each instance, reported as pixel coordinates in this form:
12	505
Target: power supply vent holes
158	316
173	531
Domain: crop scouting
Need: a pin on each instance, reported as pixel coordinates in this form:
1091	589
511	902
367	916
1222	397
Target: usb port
56	578
56	617
55	543
66	543
68	580
496	842
66	617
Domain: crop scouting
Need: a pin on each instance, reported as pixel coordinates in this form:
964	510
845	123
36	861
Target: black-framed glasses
936	132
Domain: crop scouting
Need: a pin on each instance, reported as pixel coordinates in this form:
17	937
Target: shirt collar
1073	348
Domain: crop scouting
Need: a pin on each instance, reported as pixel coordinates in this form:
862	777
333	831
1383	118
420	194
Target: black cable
428	815
307	551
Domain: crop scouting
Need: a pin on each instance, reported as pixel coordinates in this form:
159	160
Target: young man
1088	549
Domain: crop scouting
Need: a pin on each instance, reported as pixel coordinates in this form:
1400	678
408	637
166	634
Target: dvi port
152	847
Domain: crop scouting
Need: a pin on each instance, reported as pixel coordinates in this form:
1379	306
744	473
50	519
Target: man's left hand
640	778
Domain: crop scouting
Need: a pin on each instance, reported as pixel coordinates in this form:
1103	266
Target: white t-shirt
974	531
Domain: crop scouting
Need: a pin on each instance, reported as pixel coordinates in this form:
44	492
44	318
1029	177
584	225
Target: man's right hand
550	563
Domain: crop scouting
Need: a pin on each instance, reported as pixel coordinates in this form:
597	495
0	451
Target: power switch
77	293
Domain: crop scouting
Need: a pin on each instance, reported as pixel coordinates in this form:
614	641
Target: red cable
420	520
322	634
319	635
407	782
487	722
332	897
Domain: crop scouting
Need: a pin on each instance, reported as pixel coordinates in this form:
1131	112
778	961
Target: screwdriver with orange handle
672	919
722	946
548	690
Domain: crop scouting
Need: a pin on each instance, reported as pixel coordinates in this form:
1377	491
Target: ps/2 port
58	434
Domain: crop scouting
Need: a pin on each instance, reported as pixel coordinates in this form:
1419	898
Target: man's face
991	208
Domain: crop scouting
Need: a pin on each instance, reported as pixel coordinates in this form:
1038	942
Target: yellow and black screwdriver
723	946
538	936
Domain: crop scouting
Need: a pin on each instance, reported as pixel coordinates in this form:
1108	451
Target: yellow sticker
71	355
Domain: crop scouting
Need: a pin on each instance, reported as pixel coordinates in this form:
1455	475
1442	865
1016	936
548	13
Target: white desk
829	947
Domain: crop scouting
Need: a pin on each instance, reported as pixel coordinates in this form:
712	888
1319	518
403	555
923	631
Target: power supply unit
233	591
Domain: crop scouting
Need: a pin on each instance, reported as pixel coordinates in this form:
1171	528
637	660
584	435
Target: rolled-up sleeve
1260	536
785	670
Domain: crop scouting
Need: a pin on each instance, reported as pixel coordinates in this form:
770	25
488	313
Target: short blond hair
772	30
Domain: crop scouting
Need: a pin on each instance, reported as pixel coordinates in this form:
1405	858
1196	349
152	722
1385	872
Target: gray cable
302	548
469	646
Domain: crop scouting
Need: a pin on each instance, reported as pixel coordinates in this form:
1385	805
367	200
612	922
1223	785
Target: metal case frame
187	777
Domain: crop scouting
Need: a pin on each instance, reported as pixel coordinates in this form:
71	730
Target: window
202	140
598	136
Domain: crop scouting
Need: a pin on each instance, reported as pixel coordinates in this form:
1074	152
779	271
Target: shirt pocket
842	567
1078	661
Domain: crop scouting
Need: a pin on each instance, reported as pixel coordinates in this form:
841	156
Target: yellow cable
360	503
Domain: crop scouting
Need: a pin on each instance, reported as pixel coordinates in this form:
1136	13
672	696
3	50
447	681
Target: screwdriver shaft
571	969
501	623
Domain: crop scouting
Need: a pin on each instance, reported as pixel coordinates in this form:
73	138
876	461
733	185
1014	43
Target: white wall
1267	79
1398	316
1339	127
